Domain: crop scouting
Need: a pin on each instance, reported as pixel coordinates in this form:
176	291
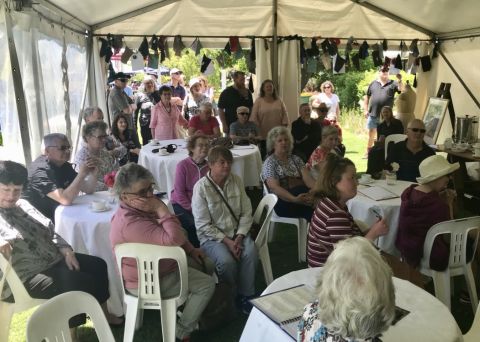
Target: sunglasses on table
62	148
416	130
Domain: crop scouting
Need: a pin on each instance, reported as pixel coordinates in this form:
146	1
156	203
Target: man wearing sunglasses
52	179
118	100
410	152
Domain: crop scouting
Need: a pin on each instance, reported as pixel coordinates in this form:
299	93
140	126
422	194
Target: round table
429	320
360	207
247	163
88	232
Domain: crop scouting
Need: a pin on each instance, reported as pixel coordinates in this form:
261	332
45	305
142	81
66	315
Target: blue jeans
240	274
187	222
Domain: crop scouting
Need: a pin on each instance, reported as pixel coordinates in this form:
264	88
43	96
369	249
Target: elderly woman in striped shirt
331	221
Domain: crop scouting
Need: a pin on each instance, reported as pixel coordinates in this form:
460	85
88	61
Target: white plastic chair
457	265
23	301
149	293
261	241
473	335
50	321
395	138
302	230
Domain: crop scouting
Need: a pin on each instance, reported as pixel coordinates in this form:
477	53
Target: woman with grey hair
93	152
355	298
144	218
285	175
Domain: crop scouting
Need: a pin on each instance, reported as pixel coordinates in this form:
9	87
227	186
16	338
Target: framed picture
433	118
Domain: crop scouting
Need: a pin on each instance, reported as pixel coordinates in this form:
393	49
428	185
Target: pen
377	214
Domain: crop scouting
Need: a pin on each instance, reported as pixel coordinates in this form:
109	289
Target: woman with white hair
204	123
355	296
193	100
286	176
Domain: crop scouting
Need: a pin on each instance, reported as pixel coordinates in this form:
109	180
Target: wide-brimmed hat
435	167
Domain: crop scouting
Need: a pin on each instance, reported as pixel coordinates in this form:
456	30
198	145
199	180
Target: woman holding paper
331	221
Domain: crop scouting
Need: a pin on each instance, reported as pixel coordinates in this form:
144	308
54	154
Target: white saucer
106	208
366	182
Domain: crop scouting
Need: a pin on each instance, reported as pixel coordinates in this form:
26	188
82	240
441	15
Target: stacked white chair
23	301
473	335
458	264
395	138
50	321
149	293
261	242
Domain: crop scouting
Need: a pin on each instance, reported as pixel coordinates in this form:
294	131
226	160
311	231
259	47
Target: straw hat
435	167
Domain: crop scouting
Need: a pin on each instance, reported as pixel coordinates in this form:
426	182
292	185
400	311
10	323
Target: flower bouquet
109	180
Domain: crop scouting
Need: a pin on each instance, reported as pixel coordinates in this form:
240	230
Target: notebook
285	307
377	193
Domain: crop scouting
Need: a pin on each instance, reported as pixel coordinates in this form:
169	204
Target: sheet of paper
377	193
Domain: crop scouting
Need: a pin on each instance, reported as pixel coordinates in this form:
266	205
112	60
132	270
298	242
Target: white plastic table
429	319
360	207
247	163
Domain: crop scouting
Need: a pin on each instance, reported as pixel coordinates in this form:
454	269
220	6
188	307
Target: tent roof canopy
307	18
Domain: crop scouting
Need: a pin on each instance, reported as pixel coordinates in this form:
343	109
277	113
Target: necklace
169	107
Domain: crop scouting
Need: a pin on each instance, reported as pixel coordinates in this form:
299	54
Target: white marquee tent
52	67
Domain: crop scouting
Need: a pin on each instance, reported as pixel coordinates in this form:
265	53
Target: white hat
435	167
175	70
193	81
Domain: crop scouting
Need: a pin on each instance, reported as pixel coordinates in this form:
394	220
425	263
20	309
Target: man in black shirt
233	97
306	132
52	179
380	93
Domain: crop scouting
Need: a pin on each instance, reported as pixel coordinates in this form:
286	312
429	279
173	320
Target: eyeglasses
144	192
175	73
416	130
327	87
243	113
62	148
100	137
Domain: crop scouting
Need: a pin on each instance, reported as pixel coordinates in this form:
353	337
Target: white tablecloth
247	163
428	321
88	233
360	206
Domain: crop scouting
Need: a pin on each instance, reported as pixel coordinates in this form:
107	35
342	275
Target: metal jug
466	129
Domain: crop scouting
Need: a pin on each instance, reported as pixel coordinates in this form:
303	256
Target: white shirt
212	217
332	104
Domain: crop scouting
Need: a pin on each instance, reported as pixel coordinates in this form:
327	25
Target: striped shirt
330	223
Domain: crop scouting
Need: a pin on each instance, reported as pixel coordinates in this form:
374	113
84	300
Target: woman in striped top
331	221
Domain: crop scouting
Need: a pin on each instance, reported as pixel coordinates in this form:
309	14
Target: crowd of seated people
212	212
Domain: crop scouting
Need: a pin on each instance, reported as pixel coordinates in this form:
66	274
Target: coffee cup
171	148
98	204
365	178
163	152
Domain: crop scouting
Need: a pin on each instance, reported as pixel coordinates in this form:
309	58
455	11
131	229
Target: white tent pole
275	44
392	16
132	14
18	88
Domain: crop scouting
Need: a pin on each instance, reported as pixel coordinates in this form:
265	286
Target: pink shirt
132	225
165	123
205	126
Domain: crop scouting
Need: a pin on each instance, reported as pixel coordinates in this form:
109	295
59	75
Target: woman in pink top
166	116
268	111
204	123
143	218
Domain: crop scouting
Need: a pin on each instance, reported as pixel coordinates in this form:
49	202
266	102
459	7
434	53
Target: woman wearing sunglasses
410	152
93	152
52	179
331	99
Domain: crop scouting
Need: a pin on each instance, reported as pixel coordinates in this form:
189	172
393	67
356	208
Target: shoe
465	298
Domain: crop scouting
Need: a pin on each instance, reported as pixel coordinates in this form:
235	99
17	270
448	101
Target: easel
444	93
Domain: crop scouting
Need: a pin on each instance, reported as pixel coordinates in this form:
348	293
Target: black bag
225	142
221	308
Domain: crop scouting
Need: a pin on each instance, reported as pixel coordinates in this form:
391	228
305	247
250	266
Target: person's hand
70	259
449	195
232	248
239	242
135	151
148	204
365	113
305	198
6	249
198	255
88	167
379	228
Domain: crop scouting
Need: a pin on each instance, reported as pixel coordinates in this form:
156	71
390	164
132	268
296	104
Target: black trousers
91	278
289	209
146	133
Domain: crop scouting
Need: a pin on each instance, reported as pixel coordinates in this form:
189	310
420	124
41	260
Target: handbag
223	141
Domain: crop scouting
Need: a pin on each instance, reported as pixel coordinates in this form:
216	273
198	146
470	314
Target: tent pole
18	88
275	45
459	78
392	16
